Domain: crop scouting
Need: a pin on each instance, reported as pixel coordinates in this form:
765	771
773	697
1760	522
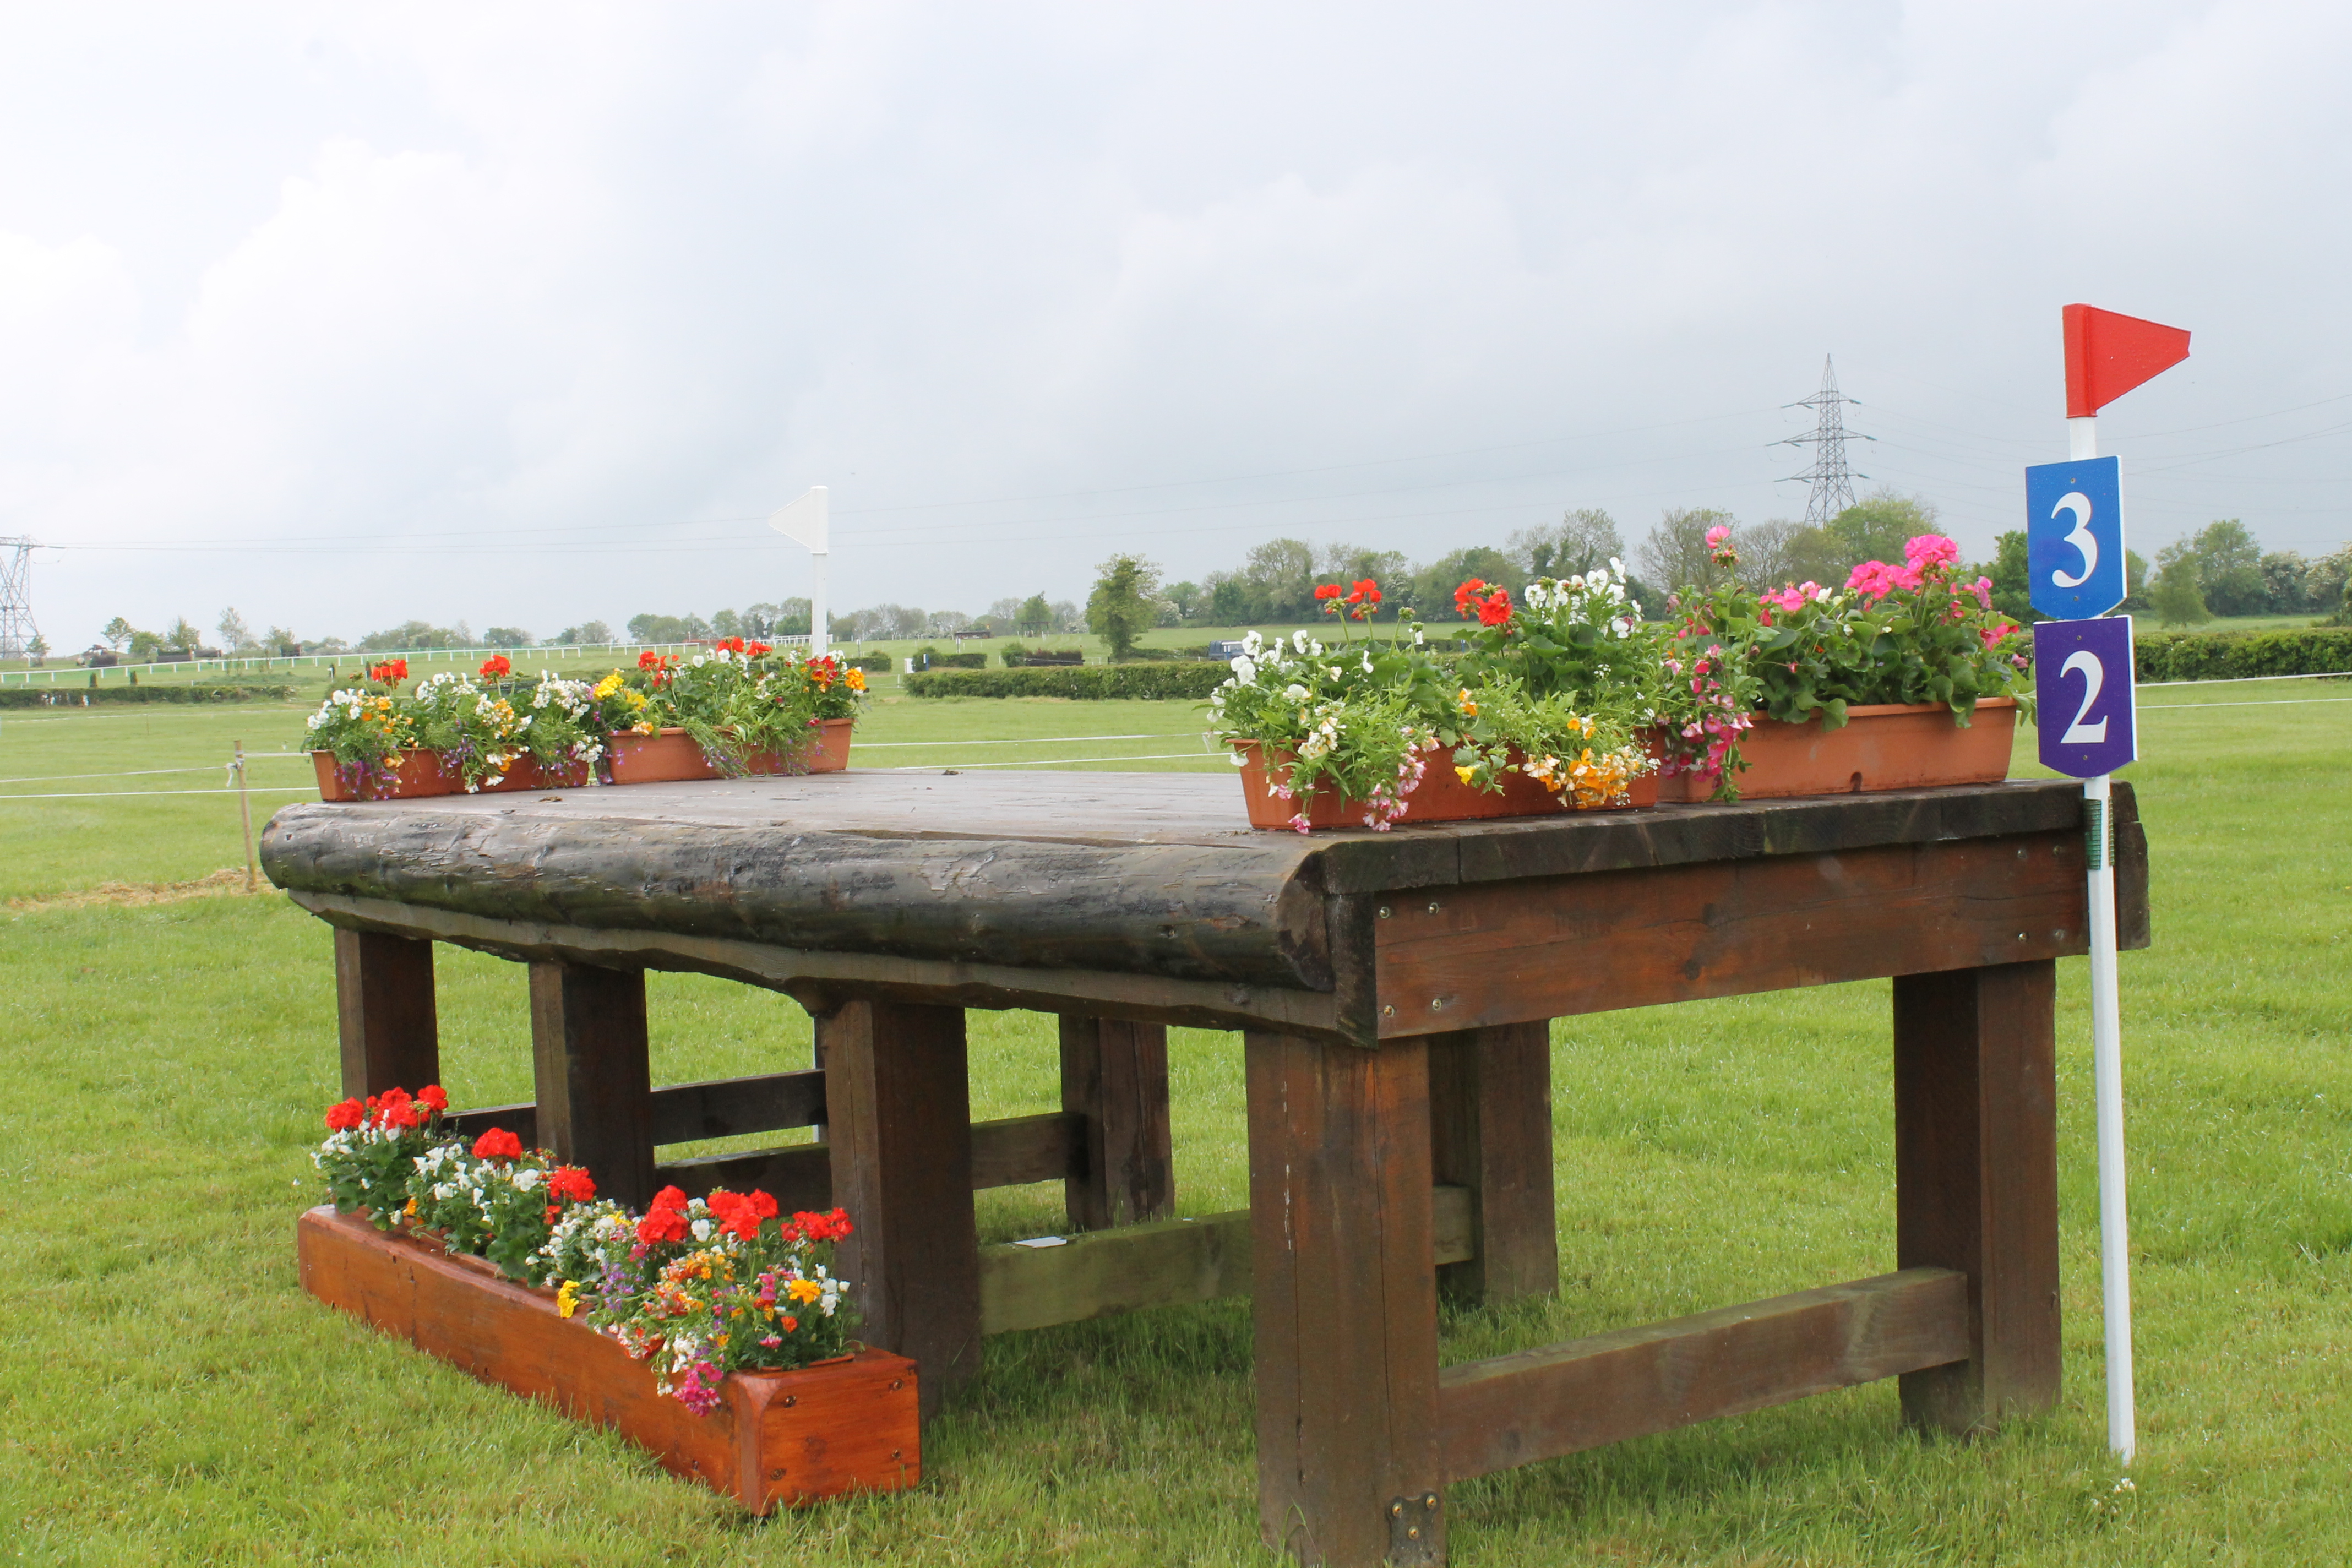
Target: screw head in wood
1433	906
1386	911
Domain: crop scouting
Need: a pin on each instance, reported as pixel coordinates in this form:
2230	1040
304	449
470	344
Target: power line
17	632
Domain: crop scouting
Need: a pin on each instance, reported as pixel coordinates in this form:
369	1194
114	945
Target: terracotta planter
427	774
1441	797
1881	747
832	754
777	1437
662	757
670	756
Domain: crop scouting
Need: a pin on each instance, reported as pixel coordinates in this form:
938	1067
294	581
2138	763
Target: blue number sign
2074	537
2083	696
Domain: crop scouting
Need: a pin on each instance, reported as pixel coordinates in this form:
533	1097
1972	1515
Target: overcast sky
526	315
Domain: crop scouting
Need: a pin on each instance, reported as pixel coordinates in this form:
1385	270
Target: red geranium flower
390	671
1466	593
498	1144
739	1213
662	1224
432	1097
1329	590
819	1227
570	1184
498	664
758	649
649	659
1496	609
343	1117
395	1109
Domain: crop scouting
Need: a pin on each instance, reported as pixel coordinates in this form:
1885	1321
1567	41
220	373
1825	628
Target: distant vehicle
1225	649
100	659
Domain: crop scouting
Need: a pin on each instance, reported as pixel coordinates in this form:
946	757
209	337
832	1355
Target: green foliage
1431	593
930	657
1676	551
649	628
1186	680
2176	598
1123	606
2012	585
587	632
416	635
1875	529
507	636
2237	655
153	691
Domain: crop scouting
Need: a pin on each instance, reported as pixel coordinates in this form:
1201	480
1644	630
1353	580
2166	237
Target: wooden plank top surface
1142	873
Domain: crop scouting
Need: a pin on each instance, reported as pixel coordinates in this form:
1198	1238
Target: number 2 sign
2083	696
2074	537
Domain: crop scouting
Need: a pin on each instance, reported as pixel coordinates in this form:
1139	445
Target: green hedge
1096	682
951	661
2225	655
874	663
64	696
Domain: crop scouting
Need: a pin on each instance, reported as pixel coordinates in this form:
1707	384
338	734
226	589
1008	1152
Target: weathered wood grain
1115	1081
1538	1403
1345	1301
1005	1154
1163	1264
776	1438
686	1112
591	1074
1976	1181
899	1107
384	1012
821	980
1490	1134
1515	951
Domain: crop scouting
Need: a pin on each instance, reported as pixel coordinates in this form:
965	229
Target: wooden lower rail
1163	1264
1539	1404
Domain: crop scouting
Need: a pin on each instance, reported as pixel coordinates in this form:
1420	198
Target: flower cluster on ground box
699	1286
749	706
1572	685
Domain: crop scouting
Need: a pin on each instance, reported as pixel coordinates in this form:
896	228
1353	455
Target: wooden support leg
594	1083
899	1101
1344	1302
1976	1177
1490	1131
383	1009
1115	1076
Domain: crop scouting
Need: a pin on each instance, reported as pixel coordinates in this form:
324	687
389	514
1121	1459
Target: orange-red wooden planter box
671	755
1890	746
777	1438
1440	796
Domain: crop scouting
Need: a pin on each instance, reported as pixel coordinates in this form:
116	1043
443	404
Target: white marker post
2107	1073
808	522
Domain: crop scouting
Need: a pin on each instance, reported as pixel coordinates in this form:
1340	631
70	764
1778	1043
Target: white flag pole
2107	1074
808	522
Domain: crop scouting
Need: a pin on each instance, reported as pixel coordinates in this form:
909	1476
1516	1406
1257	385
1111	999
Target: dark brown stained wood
1507	953
821	980
2131	924
1115	1081
589	1066
384	1012
1538	1403
1005	1154
686	1112
1165	1264
1490	1132
1345	1302
1976	1179
899	1112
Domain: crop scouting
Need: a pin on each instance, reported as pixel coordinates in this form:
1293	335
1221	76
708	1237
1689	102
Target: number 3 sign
2083	696
2074	537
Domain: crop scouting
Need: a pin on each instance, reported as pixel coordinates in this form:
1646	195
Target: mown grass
168	1395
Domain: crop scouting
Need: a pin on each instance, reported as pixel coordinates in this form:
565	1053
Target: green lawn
168	1395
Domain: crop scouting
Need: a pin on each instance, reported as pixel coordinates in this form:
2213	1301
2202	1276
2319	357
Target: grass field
167	1394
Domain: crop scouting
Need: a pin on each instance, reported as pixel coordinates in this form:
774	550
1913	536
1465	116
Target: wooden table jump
1394	991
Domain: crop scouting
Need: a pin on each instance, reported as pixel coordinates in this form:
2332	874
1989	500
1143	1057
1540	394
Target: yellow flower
606	687
856	679
1461	773
803	1289
567	1300
1468	708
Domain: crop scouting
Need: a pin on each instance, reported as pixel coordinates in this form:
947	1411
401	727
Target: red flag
2108	354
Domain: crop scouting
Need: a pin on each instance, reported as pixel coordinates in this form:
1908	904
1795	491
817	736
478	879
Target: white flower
1252	643
1244	668
701	1229
526	1179
1294	692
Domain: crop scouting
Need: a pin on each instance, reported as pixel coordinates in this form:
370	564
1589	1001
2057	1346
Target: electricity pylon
17	628
1831	480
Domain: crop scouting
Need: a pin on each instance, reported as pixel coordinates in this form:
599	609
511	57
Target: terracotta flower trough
1893	746
776	1438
